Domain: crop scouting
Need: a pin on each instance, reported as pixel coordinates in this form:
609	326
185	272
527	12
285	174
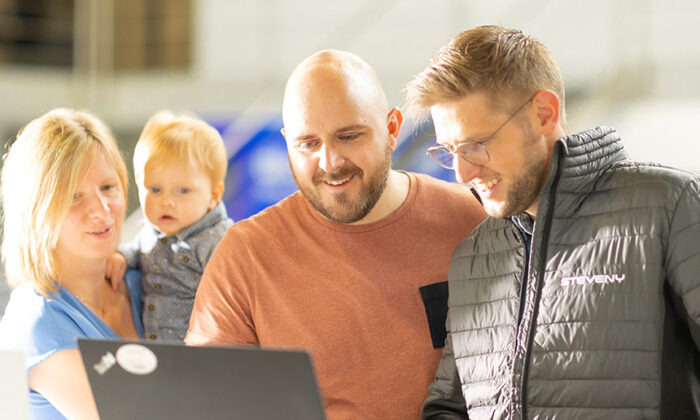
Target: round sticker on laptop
137	359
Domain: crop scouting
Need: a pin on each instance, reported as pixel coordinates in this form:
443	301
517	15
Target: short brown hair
39	176
506	64
187	139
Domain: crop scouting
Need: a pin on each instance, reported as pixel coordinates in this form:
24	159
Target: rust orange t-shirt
287	277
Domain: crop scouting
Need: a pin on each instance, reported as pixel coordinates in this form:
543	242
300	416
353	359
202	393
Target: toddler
179	166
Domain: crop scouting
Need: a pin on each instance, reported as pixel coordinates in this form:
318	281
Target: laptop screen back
172	381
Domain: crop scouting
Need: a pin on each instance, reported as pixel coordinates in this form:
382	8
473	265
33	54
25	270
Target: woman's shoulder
39	326
25	305
29	324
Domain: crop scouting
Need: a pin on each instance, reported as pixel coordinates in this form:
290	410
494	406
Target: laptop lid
132	380
14	392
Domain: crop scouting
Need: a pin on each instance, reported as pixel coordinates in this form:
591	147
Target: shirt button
158	286
151	307
153	336
186	259
163	240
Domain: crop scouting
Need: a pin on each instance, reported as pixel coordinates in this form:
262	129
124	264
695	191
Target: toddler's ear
216	192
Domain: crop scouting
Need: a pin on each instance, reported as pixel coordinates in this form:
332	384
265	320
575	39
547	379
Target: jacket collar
578	161
586	154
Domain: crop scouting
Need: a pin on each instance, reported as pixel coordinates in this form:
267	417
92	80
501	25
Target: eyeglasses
473	152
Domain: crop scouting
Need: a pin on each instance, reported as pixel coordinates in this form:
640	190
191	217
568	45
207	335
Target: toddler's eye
184	190
155	190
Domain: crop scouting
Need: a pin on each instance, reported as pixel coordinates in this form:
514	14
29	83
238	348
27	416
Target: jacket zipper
546	228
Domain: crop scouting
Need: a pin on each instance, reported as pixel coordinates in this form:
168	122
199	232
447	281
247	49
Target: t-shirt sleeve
37	326
222	308
211	240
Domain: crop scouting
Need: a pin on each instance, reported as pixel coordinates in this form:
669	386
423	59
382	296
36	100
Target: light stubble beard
526	189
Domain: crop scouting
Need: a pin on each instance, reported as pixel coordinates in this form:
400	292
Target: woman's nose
99	205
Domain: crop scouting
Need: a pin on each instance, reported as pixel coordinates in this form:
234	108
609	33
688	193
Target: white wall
244	50
633	64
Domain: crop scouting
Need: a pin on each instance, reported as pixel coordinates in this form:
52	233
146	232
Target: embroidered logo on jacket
594	279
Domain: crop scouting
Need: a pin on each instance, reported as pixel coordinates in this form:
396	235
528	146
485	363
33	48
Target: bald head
340	136
332	73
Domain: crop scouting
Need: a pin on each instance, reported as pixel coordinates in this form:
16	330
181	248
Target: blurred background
631	64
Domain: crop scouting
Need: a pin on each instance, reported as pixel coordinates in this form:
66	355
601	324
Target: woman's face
93	225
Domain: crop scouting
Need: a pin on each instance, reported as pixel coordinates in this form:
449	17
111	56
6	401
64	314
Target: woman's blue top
40	327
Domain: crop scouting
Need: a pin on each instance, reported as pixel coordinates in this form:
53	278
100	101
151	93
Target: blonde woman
64	199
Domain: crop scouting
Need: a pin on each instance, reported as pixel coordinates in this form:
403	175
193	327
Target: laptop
14	392
132	380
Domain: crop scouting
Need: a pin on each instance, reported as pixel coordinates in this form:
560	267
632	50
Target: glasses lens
442	156
474	153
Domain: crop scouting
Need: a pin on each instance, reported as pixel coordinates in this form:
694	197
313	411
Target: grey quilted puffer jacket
610	323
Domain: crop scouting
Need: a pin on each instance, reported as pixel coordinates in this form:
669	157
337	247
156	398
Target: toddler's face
174	196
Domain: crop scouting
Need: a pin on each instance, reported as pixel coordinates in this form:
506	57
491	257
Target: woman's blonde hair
184	139
39	177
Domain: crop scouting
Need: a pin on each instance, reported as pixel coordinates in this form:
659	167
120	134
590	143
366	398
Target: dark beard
342	209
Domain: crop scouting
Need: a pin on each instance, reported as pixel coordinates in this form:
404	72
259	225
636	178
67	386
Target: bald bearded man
337	266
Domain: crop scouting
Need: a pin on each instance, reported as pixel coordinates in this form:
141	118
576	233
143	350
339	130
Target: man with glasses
340	266
579	297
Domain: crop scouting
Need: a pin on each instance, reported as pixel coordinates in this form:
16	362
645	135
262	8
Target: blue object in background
259	174
410	153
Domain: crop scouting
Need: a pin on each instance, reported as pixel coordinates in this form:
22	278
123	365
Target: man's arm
222	307
445	400
683	256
